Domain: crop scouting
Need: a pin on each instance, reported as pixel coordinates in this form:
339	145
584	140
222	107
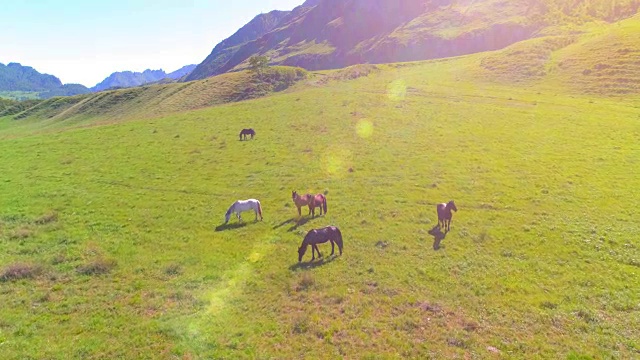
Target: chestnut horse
245	132
320	236
444	214
312	201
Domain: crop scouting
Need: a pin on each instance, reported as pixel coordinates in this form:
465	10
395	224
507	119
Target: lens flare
364	128
254	257
397	90
337	162
236	279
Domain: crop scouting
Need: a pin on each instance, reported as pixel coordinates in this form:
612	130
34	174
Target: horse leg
332	247
318	250
313	252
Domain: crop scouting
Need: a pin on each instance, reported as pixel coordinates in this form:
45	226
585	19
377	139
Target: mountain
182	72
125	79
15	77
325	34
225	50
25	79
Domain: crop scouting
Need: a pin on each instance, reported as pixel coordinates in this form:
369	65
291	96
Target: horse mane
230	209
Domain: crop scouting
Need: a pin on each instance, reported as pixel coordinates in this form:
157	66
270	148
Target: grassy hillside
589	58
592	58
155	100
111	244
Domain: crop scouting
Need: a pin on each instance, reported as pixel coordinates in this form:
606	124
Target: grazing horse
444	214
312	201
241	206
245	132
320	236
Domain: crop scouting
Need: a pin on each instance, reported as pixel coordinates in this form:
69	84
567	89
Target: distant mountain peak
124	79
15	77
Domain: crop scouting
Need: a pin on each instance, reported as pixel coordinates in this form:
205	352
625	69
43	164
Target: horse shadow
313	264
284	223
231	226
302	221
438	236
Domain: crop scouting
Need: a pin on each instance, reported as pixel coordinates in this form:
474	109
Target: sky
84	41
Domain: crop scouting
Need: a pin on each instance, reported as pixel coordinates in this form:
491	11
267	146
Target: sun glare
397	90
337	162
364	128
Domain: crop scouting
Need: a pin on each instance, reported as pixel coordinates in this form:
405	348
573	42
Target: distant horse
241	206
444	214
320	236
313	201
245	132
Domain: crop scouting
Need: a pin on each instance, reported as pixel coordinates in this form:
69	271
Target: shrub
97	267
19	271
306	281
20	234
47	218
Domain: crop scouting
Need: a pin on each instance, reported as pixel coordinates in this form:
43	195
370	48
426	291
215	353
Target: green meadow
111	244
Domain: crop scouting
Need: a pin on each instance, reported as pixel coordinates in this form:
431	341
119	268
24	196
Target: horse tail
338	239
324	204
260	210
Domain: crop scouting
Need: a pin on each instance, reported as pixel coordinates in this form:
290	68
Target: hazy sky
84	41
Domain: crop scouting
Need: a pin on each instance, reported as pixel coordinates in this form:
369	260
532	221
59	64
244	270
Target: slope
595	58
156	100
335	33
257	27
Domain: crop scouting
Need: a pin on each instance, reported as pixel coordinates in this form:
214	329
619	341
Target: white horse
243	205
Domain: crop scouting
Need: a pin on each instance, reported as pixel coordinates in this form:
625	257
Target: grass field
111	244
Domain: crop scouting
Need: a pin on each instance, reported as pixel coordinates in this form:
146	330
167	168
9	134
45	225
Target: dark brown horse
320	236
444	214
245	132
313	201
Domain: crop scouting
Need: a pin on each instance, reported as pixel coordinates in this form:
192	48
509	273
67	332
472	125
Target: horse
245	132
444	214
312	201
320	236
244	205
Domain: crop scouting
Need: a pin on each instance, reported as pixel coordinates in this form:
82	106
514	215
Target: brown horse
313	201
320	236
245	132
444	214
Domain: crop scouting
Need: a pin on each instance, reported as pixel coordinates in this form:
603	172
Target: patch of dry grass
19	271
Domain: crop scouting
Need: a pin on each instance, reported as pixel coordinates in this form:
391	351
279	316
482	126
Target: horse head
452	205
294	194
301	251
227	215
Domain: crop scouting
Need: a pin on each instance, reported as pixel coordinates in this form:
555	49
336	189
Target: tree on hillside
258	63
